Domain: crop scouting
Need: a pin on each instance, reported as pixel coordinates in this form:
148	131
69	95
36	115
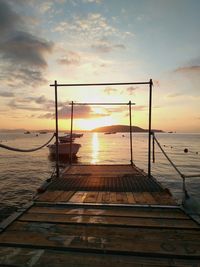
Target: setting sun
89	124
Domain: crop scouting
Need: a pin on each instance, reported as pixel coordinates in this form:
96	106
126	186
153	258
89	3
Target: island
122	129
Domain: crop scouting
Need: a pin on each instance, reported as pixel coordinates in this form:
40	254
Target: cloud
109	90
24	48
6	94
71	58
45	6
174	95
21	53
131	89
188	69
90	27
32	103
9	20
106	47
80	112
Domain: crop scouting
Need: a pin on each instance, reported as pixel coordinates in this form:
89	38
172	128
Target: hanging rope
174	166
27	150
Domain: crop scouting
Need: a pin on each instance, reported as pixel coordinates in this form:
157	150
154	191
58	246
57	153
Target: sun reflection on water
95	148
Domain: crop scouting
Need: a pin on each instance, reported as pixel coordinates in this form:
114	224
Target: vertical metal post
72	115
131	142
56	115
149	143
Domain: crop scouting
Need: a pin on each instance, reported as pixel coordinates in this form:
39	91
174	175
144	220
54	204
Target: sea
22	173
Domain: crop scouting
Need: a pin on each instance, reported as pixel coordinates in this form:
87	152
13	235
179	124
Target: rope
27	150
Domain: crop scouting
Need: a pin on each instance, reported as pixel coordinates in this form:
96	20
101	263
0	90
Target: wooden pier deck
98	215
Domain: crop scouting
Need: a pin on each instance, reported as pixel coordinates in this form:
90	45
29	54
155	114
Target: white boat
64	149
75	135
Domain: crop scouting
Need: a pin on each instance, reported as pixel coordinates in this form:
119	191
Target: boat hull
64	149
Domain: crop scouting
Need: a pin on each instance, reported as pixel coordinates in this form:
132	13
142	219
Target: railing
56	85
183	176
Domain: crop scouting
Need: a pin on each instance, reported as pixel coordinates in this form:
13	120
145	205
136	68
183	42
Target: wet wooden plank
110	220
105	197
87	242
139	198
121	197
149	198
64	196
49	196
78	197
102	231
91	197
125	211
163	198
40	258
130	198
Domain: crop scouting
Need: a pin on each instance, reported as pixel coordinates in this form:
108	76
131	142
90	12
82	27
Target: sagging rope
27	150
178	171
186	195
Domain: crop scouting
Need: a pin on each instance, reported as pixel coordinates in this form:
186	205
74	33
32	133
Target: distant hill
122	129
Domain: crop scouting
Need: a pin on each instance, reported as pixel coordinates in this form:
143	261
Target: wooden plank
125	211
105	197
163	198
39	258
149	198
102	230
121	197
130	198
110	220
113	197
78	197
139	198
86	241
91	197
65	196
49	196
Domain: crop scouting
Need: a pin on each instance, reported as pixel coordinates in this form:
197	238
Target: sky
100	41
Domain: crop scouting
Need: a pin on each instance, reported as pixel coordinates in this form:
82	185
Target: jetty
101	215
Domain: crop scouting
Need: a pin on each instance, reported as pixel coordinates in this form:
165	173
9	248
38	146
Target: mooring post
149	143
131	141
56	117
72	115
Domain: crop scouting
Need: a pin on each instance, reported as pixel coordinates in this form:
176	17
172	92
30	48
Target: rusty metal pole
149	143
56	117
72	115
131	141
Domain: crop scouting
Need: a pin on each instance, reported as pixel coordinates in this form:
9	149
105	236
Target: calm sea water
22	173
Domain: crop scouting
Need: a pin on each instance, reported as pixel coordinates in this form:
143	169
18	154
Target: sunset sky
92	41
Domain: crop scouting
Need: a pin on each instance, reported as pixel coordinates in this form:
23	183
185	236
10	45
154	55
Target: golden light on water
95	148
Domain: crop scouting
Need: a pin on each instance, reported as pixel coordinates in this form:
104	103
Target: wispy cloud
131	90
80	112
71	58
6	94
104	46
175	95
110	90
188	69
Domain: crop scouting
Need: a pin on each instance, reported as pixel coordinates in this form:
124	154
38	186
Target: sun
90	124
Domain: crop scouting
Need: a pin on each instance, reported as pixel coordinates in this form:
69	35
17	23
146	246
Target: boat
74	135
43	132
64	149
65	139
27	132
110	133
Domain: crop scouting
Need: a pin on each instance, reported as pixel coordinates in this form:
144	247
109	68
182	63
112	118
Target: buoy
186	150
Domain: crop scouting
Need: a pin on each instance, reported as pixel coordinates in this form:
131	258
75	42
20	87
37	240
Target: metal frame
56	85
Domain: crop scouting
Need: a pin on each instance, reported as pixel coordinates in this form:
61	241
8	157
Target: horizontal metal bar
108	104
98	84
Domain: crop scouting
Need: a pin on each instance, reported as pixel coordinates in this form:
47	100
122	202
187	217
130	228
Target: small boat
27	132
65	139
43	132
64	149
74	135
110	133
